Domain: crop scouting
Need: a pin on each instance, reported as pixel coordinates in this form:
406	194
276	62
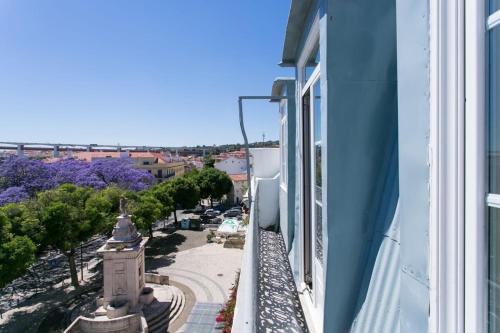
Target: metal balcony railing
267	296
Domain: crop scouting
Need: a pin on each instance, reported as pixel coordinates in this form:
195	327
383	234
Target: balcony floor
278	308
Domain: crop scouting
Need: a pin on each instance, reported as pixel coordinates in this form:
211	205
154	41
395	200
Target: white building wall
232	165
238	190
265	162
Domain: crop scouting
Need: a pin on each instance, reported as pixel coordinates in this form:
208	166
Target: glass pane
284	151
494	111
494	271
319	232
311	63
494	6
317	138
317	110
316	146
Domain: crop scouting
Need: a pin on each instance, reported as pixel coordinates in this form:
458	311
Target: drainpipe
242	126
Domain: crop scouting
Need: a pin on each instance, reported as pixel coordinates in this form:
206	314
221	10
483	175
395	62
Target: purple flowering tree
115	171
21	178
13	194
68	170
32	175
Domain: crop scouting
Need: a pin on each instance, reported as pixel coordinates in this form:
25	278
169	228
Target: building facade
240	186
388	198
231	165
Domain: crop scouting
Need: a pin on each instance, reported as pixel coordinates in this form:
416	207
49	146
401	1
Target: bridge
56	148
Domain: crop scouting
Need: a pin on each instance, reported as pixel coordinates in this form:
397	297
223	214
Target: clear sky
149	72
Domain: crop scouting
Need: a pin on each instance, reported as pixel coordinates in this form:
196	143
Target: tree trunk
72	267
151	231
175	216
211	202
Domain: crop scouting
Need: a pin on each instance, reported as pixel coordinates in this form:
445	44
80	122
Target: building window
493	155
316	159
284	142
311	63
312	204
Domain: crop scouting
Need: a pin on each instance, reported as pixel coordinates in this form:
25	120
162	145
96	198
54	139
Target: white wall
283	208
238	190
265	162
267	200
232	165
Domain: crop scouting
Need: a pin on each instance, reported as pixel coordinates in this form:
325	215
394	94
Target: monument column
123	262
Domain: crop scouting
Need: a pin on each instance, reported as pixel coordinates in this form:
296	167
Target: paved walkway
209	271
202	319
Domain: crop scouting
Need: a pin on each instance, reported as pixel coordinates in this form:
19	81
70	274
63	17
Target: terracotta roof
89	155
240	177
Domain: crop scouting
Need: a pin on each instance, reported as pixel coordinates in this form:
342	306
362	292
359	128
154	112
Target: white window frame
476	254
447	166
314	319
284	151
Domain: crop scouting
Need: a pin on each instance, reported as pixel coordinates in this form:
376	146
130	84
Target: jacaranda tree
30	175
21	177
13	194
115	171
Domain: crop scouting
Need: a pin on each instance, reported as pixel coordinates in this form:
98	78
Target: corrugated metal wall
378	300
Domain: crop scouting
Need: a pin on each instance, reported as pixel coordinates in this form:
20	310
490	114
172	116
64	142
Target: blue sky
155	72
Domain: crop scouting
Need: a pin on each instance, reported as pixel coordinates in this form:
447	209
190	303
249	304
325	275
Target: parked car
232	213
212	212
216	220
238	208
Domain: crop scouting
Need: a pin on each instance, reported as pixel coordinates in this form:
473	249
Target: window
316	158
312	181
311	63
284	142
493	156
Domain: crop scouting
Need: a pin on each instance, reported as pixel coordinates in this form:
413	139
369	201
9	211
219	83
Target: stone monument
127	305
123	264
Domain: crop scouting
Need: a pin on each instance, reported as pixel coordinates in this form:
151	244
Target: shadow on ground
160	250
164	245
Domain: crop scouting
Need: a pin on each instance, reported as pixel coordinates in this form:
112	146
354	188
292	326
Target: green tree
23	221
146	210
104	206
208	161
192	174
67	220
184	192
162	193
17	253
214	184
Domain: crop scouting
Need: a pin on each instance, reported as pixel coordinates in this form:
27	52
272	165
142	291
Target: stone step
161	326
177	306
159	319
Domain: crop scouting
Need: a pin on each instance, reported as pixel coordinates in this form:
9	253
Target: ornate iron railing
268	300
